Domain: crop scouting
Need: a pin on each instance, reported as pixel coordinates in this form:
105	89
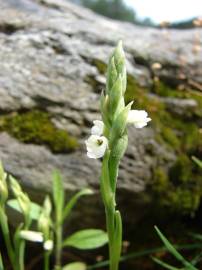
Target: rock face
52	61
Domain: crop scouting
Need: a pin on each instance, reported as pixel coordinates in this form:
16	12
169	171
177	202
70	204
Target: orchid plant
109	141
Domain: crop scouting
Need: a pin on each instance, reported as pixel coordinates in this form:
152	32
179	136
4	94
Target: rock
53	58
181	107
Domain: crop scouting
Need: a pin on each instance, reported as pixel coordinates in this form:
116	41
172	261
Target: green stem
6	235
21	254
46	260
22	245
113	219
58	249
1	263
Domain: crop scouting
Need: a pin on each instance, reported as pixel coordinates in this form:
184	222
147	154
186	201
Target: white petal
31	236
91	155
138	118
98	128
94	148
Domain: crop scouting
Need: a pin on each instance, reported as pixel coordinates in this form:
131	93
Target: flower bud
48	245
44	221
119	60
104	107
116	99
119	125
112	74
22	198
47	206
31	236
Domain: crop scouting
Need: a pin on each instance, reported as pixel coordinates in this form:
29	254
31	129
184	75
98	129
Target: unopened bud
3	192
31	236
48	245
47	206
22	198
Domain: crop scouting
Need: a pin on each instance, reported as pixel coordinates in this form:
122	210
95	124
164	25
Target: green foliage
87	239
36	127
75	266
49	224
35	209
197	161
173	251
115	9
71	203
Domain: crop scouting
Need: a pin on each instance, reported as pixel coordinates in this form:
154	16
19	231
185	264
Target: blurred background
53	60
147	13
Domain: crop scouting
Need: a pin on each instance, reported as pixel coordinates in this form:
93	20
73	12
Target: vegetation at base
36	127
180	188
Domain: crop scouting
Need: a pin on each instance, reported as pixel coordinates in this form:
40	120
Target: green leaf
197	161
87	239
75	266
74	200
35	209
58	193
165	265
117	237
196	236
173	251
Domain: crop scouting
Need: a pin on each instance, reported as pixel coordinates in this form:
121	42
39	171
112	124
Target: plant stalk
46	260
6	235
112	223
58	248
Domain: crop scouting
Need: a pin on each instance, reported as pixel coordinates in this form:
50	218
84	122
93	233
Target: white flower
98	128
31	236
48	245
138	118
96	146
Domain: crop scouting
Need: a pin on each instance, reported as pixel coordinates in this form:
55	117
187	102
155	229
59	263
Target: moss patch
100	65
36	127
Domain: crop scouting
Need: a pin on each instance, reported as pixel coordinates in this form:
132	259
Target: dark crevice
9	29
43	102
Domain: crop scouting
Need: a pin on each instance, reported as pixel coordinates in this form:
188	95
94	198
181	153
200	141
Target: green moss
164	90
182	170
36	127
100	65
160	180
181	194
170	137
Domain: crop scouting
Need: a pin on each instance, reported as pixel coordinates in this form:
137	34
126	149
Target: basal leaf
34	212
87	239
75	266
